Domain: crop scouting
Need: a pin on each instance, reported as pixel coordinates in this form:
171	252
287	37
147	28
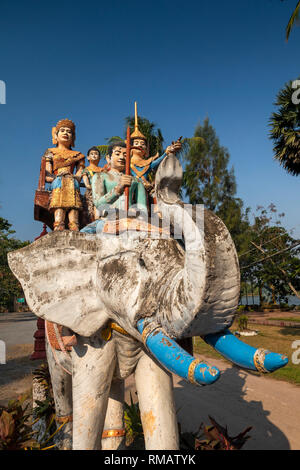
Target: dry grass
274	338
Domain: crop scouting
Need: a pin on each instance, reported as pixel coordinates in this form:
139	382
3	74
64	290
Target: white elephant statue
156	290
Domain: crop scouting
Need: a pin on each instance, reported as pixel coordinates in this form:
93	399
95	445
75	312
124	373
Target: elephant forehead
119	268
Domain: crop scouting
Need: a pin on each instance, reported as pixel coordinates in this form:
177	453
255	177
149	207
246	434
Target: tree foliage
293	20
9	285
110	140
285	133
207	180
272	259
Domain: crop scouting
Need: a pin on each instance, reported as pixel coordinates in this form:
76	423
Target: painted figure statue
140	163
123	301
93	156
60	164
108	188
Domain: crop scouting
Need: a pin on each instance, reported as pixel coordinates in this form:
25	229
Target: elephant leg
155	392
93	366
114	432
62	392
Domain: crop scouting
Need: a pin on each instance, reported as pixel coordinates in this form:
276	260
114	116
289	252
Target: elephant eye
142	262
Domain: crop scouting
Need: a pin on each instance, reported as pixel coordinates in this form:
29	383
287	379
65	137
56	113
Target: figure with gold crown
61	161
140	163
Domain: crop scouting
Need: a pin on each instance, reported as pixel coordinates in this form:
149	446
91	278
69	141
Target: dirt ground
16	374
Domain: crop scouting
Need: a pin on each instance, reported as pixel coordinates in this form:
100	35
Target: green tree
9	285
236	219
293	19
285	125
110	140
272	259
207	180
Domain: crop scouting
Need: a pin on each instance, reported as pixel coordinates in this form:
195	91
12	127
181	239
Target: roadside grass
274	338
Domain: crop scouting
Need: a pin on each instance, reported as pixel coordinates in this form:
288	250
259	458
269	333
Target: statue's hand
148	186
49	177
125	181
174	148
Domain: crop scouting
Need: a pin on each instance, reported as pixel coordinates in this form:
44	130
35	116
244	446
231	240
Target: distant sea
292	300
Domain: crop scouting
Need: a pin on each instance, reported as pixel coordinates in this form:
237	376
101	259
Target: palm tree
110	140
293	18
285	130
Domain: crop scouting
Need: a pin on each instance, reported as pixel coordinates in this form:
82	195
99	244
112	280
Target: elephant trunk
202	296
173	357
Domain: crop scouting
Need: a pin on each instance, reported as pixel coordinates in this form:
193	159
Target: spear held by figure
127	167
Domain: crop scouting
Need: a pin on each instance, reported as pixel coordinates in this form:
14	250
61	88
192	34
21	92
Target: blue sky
182	61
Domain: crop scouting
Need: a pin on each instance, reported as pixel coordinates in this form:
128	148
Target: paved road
17	328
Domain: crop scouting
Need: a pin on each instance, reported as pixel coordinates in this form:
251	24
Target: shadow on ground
227	405
290	332
16	369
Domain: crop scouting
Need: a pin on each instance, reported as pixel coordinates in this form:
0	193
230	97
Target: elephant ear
58	276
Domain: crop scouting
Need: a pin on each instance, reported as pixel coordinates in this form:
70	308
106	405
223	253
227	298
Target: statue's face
94	157
64	136
141	147
118	159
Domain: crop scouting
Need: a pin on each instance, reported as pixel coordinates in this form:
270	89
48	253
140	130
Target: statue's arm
157	161
49	166
102	198
79	169
86	180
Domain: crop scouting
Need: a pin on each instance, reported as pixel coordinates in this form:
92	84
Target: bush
243	322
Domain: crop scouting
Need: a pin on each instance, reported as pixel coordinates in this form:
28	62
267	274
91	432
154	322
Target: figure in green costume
108	188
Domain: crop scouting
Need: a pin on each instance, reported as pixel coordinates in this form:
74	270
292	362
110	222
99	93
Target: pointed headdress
136	134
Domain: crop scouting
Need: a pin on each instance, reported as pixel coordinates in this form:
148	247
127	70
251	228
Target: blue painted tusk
244	355
174	358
